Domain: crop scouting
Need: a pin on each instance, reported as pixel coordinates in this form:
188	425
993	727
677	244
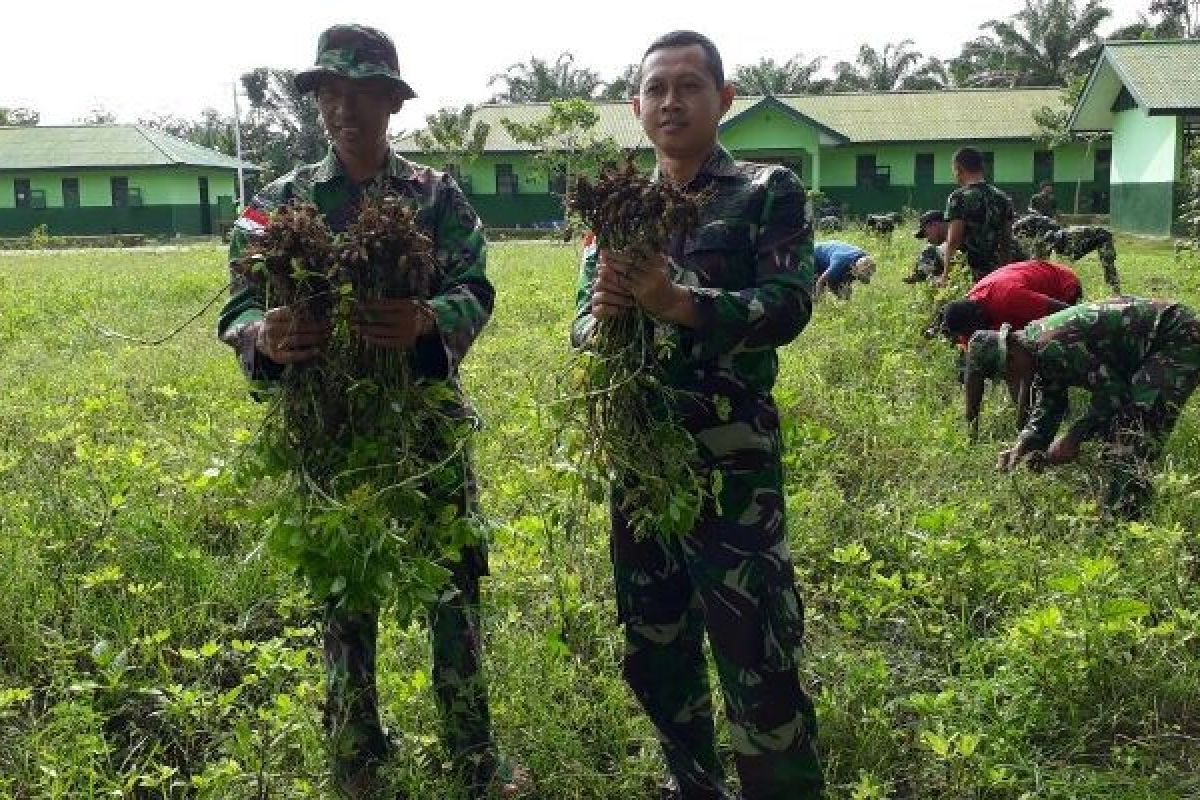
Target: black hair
969	159
712	56
962	318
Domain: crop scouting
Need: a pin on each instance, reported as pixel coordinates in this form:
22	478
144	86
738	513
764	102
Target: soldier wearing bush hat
1139	358
358	87
930	262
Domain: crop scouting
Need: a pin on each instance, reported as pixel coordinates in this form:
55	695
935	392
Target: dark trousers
352	718
733	578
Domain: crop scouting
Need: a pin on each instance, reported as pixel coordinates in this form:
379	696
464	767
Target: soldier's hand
610	293
290	336
393	323
647	279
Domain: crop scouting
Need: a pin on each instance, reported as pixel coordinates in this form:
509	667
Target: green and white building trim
105	179
1146	95
871	151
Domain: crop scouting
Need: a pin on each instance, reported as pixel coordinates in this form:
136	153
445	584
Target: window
22	194
989	166
70	192
557	180
120	192
1043	167
506	179
37	198
924	169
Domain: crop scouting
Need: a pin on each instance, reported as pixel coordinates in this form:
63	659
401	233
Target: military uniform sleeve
776	308
956	206
464	301
247	302
1047	414
585	323
1109	396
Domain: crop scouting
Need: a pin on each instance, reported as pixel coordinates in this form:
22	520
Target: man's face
960	175
678	102
935	232
356	112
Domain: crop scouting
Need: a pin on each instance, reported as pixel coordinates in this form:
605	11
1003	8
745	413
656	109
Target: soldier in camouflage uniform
358	87
929	263
980	218
1044	202
1076	241
726	296
1140	359
1031	226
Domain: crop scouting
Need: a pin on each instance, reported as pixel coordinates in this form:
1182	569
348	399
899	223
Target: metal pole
237	144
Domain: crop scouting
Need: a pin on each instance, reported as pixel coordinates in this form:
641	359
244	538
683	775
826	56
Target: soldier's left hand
1063	450
646	277
392	323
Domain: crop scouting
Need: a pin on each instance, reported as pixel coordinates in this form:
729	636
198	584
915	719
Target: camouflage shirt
1044	203
1100	347
987	216
749	267
462	304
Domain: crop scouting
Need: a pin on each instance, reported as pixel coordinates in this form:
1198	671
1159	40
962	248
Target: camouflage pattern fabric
356	52
462	305
1140	359
1032	226
928	265
987	217
749	267
1077	241
1044	204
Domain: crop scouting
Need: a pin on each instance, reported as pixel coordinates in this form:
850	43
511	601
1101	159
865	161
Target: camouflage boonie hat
987	352
355	51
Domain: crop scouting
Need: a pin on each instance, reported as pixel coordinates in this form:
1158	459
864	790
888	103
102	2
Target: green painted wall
170	198
1146	149
1146	208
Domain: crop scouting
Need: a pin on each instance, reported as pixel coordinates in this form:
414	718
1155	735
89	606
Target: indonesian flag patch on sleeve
252	222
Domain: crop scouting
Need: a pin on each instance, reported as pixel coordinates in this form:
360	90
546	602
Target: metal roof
862	117
1163	77
76	146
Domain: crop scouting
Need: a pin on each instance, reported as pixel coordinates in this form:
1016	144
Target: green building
1146	94
871	152
102	179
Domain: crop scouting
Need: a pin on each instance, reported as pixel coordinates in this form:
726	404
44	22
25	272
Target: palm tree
897	66
537	80
622	87
1046	43
794	76
1180	16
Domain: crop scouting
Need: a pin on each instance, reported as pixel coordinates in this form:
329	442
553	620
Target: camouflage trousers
731	576
1160	388
352	722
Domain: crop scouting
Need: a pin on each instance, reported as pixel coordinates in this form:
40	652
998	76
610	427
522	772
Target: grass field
970	635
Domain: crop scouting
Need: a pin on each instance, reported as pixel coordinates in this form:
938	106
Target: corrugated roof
50	147
954	115
1161	75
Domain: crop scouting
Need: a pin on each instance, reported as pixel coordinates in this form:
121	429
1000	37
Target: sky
140	59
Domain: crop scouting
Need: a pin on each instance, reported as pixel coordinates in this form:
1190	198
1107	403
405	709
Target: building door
205	209
1043	167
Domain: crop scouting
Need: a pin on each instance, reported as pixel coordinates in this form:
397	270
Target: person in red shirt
1016	295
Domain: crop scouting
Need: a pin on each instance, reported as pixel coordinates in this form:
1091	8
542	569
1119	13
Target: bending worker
1015	294
1140	359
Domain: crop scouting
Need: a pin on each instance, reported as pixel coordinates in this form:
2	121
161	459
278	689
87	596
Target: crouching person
838	265
1140	359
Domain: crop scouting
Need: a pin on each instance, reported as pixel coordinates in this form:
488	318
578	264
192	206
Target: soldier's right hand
611	296
288	336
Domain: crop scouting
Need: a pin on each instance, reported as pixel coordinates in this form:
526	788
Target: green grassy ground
970	634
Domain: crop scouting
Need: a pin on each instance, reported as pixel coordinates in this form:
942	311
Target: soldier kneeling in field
1140	359
931	262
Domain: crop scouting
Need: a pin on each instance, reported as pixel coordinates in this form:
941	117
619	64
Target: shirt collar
330	169
719	164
